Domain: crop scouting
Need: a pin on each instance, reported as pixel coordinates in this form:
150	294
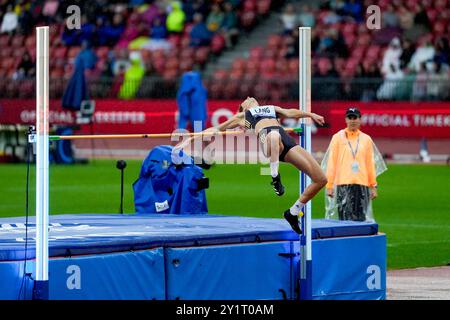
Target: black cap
353	112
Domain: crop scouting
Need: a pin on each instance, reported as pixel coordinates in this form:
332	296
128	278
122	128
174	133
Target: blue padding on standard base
128	275
238	272
349	268
84	234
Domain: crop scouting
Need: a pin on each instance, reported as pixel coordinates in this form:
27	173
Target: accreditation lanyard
354	152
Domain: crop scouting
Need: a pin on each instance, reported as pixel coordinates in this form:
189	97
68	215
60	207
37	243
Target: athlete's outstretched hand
318	119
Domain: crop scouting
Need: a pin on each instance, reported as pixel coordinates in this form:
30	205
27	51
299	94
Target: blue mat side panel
128	275
246	271
350	268
13	284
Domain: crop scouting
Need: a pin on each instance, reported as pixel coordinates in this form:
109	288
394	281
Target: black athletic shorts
286	139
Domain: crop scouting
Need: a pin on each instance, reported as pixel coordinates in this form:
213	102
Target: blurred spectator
289	18
437	82
87	31
306	17
421	17
133	77
150	13
87	56
70	37
49	11
215	18
158	30
406	18
333	44
107	71
26	68
230	25
176	18
353	8
408	50
387	91
390	18
200	35
10	21
392	56
26	22
292	50
331	18
419	91
188	9
442	53
424	53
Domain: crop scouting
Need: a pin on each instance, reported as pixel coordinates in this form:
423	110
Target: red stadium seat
175	40
217	43
187	53
263	7
247	19
102	52
17	41
158	54
252	66
249	5
220	76
59	52
236	76
238	65
373	52
4	40
73	52
274	41
172	63
201	55
282	66
146	55
159	64
186	64
256	53
57	73
267	66
230	90
170	74
8	63
185	42
215	90
6	52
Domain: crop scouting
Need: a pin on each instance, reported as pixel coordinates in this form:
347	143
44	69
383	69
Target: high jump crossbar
155	135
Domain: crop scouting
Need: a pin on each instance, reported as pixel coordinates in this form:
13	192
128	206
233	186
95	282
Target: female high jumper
277	145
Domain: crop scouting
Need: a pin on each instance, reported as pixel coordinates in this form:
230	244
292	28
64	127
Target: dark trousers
352	202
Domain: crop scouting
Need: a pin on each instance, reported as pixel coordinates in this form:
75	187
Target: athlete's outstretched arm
236	121
296	113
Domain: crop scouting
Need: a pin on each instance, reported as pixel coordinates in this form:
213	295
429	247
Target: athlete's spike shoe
293	221
277	186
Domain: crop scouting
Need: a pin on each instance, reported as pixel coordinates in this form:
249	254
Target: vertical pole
305	142
42	163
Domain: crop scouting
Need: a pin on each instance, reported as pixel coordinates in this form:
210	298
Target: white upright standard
305	142
42	163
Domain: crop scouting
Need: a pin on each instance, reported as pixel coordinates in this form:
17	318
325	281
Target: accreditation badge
355	166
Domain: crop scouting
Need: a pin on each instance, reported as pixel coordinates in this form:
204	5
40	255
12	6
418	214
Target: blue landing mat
83	234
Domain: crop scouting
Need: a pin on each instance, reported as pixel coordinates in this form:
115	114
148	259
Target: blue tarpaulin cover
83	234
168	183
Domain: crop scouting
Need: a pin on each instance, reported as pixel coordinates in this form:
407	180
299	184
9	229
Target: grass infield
413	207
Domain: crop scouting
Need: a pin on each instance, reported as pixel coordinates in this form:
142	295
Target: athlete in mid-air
277	145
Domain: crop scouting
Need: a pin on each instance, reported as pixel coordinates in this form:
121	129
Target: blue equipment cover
192	101
83	234
168	183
